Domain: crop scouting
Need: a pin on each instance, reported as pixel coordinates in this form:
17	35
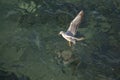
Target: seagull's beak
59	34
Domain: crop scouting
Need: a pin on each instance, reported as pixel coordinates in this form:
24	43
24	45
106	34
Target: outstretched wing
75	23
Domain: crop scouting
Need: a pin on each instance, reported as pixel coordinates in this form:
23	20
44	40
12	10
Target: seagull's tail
80	39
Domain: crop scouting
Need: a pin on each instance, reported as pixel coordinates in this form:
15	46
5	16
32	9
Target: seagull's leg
69	43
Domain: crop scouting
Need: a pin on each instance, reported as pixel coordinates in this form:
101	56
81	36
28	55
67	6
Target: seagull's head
61	32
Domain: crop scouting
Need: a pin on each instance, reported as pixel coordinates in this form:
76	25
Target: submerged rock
67	57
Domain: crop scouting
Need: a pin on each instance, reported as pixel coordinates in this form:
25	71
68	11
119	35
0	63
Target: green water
30	44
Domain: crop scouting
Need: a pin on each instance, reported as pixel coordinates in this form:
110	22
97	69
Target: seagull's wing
75	23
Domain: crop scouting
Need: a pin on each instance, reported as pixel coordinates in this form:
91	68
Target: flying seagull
69	35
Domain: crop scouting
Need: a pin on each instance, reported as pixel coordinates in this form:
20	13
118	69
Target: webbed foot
70	44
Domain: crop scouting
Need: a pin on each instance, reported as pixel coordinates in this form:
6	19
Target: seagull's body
69	35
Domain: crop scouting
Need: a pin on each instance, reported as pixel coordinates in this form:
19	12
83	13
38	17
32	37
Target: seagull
69	35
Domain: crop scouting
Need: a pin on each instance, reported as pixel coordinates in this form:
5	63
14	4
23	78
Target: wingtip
81	12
